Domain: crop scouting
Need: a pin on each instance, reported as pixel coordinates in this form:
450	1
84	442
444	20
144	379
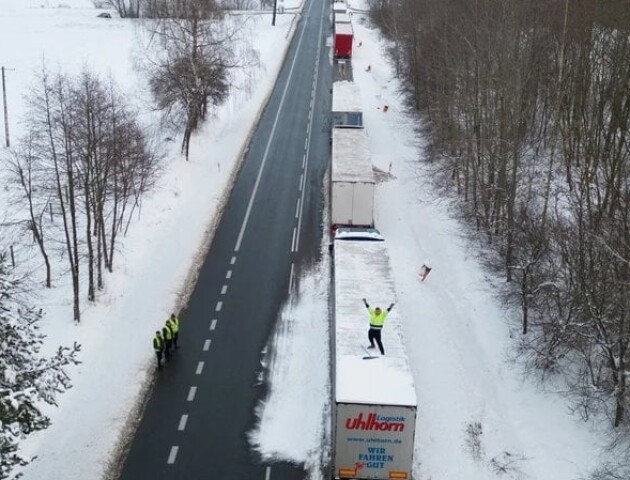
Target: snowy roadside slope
456	331
157	255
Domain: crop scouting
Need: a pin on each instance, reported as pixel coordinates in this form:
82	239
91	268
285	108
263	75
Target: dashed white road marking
297	208
272	135
219	307
232	260
308	139
268	473
206	345
182	423
191	394
172	455
291	276
199	368
228	274
293	240
223	289
213	324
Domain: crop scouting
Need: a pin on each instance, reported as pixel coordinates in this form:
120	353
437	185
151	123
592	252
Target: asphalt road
196	420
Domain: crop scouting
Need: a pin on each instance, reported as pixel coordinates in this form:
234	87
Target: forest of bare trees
85	160
81	169
163	8
527	106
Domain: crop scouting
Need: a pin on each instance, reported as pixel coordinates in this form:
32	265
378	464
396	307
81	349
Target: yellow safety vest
174	322
158	343
167	332
377	321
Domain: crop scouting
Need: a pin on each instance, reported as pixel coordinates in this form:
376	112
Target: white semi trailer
374	399
346	105
352	179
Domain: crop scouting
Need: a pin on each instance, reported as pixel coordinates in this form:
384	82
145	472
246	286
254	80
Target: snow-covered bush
27	378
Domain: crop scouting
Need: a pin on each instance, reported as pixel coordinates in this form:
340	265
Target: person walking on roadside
173	321
377	320
167	333
158	346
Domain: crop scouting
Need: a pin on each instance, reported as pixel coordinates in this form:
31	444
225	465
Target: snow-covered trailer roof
346	97
351	161
362	270
343	29
341	17
339	7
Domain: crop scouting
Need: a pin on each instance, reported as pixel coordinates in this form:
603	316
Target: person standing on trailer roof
377	320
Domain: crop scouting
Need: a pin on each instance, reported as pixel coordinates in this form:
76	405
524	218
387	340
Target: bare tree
95	160
190	62
528	106
125	8
51	129
24	168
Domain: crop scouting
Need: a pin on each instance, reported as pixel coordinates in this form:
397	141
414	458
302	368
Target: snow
351	156
341	17
457	333
160	251
343	28
362	271
345	97
339	7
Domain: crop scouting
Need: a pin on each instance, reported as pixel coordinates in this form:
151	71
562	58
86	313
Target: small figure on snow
158	346
167	334
377	320
173	322
425	269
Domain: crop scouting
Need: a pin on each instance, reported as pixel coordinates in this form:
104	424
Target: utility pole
273	19
6	109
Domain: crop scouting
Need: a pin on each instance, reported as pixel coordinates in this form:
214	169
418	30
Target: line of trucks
374	398
343	34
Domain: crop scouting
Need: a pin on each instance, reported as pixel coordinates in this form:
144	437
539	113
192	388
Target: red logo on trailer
371	423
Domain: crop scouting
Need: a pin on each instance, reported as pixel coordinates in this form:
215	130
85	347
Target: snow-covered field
457	333
161	248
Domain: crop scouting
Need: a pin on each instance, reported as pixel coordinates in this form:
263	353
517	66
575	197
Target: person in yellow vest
167	333
377	320
174	323
158	346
